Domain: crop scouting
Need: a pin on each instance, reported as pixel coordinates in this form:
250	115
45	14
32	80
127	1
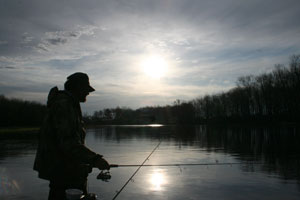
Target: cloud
26	38
208	44
51	39
3	42
7	67
56	41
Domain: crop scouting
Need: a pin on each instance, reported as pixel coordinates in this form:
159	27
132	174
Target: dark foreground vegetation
269	97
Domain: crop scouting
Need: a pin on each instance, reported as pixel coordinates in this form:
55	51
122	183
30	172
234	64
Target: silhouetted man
62	158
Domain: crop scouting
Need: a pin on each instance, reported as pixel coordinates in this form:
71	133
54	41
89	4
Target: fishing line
139	166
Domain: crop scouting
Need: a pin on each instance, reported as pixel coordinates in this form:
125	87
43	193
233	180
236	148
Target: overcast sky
202	46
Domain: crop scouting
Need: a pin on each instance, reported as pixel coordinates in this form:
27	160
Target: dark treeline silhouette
15	112
273	96
178	113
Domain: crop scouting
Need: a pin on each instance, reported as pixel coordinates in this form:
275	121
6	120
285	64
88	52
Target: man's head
78	84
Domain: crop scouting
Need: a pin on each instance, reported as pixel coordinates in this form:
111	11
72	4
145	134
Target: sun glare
157	180
154	66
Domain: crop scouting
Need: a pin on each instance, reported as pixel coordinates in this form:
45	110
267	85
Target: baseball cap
82	79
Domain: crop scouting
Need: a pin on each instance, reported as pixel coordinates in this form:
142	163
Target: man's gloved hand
102	164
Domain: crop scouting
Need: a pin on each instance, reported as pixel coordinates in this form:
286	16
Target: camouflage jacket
61	154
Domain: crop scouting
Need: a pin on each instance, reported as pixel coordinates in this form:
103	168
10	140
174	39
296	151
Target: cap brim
91	89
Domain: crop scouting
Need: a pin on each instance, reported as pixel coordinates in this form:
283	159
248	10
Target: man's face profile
83	92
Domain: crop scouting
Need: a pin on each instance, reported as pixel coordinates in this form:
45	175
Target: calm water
276	177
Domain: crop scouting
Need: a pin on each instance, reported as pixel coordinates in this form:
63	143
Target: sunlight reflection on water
155	125
157	180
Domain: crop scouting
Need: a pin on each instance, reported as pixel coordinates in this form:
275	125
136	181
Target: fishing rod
105	175
184	164
139	167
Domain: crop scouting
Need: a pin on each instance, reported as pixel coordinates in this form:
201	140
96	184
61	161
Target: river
267	163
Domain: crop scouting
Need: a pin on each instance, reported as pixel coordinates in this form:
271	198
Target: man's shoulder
63	97
62	100
56	97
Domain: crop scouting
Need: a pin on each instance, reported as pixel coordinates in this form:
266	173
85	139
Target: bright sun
154	66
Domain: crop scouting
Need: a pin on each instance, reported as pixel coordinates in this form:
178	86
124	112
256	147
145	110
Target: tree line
178	113
16	112
268	97
273	96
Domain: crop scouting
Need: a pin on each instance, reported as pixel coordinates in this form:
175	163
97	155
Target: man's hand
102	164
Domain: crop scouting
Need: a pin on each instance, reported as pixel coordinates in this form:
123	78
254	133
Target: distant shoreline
33	131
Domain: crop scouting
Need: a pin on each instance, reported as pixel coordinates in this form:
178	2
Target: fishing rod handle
113	165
